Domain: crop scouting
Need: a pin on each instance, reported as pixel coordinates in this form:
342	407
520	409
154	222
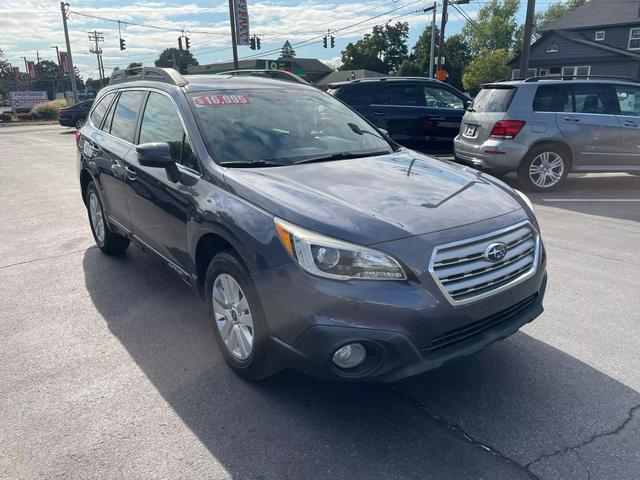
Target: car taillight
506	129
61	111
78	135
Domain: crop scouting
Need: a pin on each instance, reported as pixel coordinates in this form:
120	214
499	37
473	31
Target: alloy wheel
233	316
97	219
546	169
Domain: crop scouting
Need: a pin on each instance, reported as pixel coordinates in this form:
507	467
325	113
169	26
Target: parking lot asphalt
108	367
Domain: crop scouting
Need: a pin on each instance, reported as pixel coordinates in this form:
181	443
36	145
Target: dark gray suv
316	242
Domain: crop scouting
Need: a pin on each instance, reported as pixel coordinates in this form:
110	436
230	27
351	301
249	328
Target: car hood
373	199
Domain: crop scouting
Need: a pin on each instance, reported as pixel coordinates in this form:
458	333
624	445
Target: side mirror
158	155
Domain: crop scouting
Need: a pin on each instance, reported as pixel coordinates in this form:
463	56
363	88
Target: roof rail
273	74
155	74
578	77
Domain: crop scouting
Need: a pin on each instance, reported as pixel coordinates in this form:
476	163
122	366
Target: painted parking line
591	199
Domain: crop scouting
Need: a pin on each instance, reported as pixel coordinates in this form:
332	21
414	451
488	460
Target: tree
6	70
457	59
93	84
287	50
554	12
174	58
47	69
488	66
494	28
382	51
134	65
418	62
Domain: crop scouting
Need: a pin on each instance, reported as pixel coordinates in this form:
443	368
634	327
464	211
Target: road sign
241	14
27	99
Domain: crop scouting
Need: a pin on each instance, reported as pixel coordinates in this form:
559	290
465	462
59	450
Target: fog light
350	355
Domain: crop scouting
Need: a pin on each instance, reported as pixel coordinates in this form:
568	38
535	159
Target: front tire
109	242
544	168
238	322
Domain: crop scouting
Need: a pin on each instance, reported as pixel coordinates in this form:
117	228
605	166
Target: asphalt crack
573	448
33	260
460	432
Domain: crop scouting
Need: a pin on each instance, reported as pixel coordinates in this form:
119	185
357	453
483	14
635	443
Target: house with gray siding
601	37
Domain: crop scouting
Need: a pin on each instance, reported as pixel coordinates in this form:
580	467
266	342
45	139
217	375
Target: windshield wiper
342	156
246	164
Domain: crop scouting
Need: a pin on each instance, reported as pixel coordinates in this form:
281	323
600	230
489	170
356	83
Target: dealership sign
27	99
241	17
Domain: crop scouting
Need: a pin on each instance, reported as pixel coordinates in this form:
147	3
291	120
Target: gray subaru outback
545	127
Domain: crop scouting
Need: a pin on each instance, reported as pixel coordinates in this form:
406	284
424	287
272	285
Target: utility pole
443	23
526	42
72	73
234	44
432	52
97	37
38	56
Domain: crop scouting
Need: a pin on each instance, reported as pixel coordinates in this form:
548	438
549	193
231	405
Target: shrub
5	117
49	110
23	117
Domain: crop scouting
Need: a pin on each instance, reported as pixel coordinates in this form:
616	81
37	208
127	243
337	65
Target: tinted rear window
493	99
358	94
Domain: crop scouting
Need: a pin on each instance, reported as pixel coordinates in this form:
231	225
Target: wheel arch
85	179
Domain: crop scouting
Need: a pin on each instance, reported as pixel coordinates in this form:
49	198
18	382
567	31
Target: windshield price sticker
220	100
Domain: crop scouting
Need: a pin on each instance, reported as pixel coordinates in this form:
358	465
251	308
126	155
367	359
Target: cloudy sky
30	25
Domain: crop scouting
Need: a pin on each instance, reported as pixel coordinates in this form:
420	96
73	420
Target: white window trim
553	48
575	70
600	35
631	37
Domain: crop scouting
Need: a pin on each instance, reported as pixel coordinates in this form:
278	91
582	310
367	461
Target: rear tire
237	319
544	168
109	242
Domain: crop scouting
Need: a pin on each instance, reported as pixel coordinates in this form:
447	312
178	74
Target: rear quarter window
493	100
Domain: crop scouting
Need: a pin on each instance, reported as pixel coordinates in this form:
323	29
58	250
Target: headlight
525	199
332	258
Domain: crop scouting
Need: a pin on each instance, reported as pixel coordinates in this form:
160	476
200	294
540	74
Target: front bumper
393	356
407	327
493	154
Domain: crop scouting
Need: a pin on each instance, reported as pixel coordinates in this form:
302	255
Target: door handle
572	120
631	124
378	114
436	117
131	172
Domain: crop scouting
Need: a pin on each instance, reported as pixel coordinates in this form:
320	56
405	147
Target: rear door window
590	98
493	100
101	108
359	94
550	98
125	116
402	95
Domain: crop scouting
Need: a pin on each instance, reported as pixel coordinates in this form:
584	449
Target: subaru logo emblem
495	252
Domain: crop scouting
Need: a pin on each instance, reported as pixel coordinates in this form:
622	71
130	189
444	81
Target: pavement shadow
524	395
594	188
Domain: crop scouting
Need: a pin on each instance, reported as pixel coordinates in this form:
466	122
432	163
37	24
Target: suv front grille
465	274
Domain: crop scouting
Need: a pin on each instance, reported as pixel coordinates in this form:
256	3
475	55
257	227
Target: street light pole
526	42
432	51
72	73
234	44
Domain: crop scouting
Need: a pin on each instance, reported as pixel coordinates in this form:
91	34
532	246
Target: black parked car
316	242
75	115
419	113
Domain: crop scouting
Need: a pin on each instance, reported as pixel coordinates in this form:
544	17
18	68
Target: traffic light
180	43
324	41
122	44
258	43
187	43
333	41
252	43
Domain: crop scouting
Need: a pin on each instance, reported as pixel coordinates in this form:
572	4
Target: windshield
273	127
